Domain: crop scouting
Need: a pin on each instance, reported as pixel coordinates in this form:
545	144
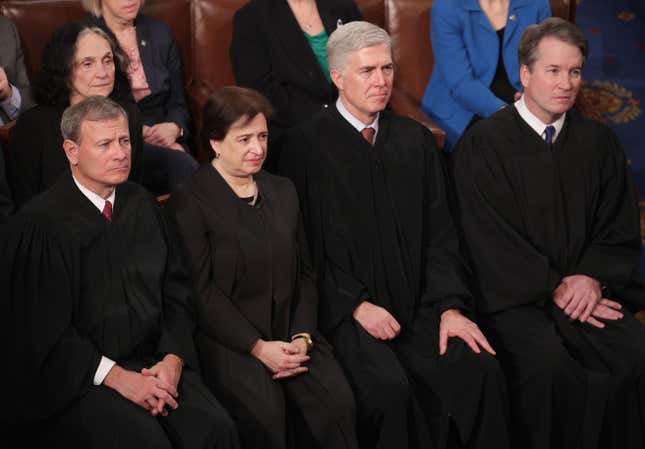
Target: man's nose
379	77
565	80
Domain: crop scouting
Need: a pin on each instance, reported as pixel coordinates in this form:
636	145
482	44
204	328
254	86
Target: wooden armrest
4	133
402	104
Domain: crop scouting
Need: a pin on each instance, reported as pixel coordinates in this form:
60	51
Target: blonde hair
94	6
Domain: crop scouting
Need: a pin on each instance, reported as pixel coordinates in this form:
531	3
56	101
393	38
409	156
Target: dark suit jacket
162	66
270	53
250	264
11	61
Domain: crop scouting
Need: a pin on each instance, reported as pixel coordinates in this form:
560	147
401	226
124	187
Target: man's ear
525	75
71	151
337	79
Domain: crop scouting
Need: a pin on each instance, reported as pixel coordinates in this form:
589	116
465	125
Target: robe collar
355	122
215	190
95	199
72	206
383	127
535	123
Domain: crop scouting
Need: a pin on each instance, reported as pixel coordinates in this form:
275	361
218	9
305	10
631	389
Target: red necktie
107	210
368	134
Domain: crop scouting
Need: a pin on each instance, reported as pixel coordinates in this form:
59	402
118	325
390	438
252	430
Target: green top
318	44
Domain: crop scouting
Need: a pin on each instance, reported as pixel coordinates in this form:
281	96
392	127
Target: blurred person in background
476	71
154	74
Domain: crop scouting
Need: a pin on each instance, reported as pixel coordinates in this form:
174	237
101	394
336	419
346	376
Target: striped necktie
107	211
549	132
368	134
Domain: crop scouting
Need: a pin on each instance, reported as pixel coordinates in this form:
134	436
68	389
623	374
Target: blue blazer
466	51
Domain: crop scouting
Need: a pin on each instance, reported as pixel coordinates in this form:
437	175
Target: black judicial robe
528	210
254	280
532	215
379	219
380	229
76	287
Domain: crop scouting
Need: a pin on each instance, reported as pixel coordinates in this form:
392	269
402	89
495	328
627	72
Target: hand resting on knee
377	321
149	392
580	297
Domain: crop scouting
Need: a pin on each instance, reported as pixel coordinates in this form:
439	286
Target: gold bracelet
306	337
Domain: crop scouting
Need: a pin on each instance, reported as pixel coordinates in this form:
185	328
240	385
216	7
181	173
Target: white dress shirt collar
93	197
535	123
356	123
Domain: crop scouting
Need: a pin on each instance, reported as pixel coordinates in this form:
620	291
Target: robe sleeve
51	364
501	256
178	314
446	274
305	316
613	252
340	292
217	316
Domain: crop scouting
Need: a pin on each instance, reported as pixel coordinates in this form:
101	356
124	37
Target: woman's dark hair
225	107
52	87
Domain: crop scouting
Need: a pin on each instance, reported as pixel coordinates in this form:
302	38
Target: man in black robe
550	219
95	310
390	274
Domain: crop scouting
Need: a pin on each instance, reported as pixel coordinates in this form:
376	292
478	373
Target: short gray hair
95	108
527	51
351	37
94	6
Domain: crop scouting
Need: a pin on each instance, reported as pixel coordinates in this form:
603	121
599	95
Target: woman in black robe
77	62
257	332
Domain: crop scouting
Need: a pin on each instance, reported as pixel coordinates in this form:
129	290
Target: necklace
304	12
255	195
